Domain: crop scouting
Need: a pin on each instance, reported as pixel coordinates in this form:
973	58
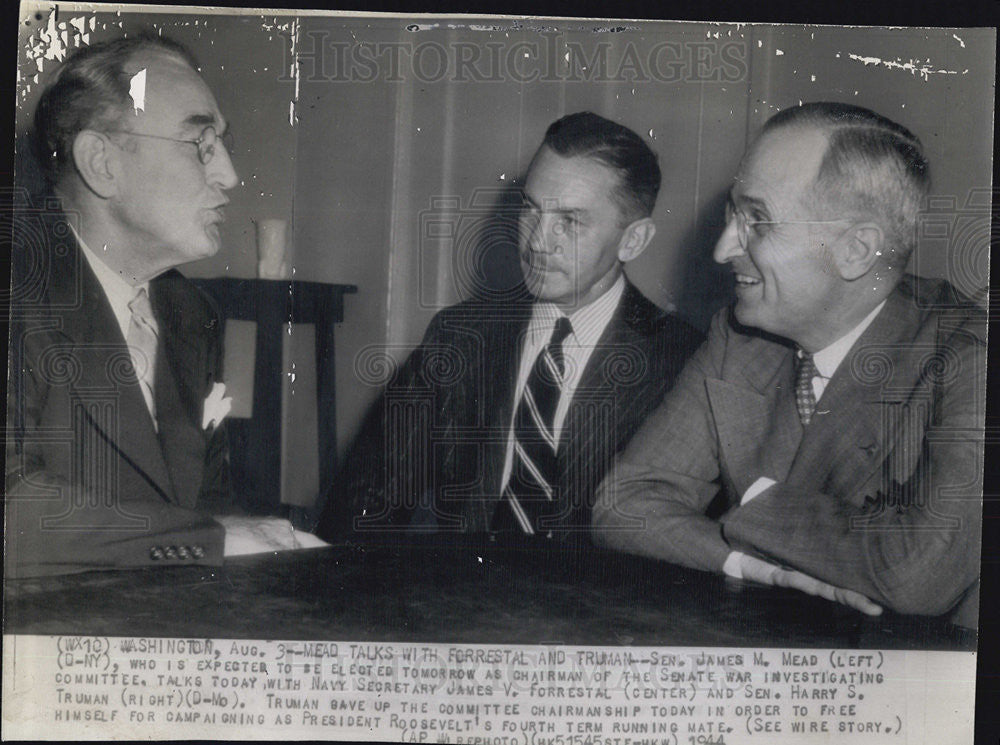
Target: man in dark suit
115	456
506	417
828	435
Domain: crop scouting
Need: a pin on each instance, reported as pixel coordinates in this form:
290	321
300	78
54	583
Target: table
420	590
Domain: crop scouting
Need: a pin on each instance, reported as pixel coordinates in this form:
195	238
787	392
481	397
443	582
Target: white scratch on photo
914	67
137	90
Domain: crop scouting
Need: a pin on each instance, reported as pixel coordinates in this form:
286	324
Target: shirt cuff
756	488
732	565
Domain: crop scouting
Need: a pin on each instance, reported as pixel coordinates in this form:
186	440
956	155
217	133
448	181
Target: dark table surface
420	591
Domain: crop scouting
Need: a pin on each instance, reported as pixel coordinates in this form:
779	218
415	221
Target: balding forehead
156	57
788	157
176	102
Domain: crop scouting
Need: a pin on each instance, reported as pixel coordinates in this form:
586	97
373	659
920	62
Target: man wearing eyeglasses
117	457
828	434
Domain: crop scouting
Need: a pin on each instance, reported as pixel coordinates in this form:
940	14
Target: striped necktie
531	490
805	396
142	340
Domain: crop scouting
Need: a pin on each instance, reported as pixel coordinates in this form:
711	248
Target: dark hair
616	146
872	168
90	90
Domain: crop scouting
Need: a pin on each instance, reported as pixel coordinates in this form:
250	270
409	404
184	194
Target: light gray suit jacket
881	493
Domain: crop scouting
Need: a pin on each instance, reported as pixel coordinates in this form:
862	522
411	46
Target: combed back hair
873	169
90	91
617	147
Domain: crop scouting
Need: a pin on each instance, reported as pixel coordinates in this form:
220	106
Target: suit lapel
181	386
616	383
618	356
597	413
499	338
183	344
856	422
106	373
754	410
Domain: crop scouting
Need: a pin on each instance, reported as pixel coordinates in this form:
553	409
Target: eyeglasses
205	143
744	223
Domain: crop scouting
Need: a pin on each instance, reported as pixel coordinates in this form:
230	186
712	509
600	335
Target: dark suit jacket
431	452
881	493
90	484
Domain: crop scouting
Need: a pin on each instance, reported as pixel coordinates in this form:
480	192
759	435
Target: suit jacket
90	483
881	493
431	452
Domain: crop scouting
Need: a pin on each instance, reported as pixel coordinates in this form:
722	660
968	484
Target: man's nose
220	171
547	235
532	231
728	246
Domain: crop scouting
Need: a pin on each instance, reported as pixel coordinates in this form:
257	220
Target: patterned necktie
805	397
530	490
142	339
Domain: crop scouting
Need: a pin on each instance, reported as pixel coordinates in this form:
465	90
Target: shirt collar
588	322
829	358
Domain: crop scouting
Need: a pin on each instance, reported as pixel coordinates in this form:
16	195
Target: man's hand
255	535
757	570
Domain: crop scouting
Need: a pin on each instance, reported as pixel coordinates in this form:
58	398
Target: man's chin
214	240
746	314
535	284
208	246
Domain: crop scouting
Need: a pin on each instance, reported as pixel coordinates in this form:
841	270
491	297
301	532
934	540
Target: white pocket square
217	405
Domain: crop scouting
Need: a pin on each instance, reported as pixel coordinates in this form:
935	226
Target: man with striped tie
507	416
828	435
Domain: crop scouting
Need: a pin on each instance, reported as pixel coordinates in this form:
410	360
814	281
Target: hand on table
254	535
755	569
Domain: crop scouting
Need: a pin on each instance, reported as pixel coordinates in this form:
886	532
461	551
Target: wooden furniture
255	443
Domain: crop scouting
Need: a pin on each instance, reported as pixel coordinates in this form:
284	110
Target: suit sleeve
381	480
653	502
53	525
912	546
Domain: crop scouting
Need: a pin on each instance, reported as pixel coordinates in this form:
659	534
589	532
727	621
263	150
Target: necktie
142	339
530	492
805	397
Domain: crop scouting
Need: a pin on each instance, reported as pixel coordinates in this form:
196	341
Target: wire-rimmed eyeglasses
744	223
205	143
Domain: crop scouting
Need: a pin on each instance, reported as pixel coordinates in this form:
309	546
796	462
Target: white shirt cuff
732	565
756	488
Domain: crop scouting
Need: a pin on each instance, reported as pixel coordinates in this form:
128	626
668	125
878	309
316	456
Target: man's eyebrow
745	200
551	205
200	120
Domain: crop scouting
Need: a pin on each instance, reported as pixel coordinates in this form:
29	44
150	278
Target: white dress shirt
588	325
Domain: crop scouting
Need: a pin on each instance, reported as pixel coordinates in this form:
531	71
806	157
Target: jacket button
197	552
156	553
171	552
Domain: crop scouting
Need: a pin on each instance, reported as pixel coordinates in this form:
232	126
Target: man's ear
635	238
95	162
861	250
